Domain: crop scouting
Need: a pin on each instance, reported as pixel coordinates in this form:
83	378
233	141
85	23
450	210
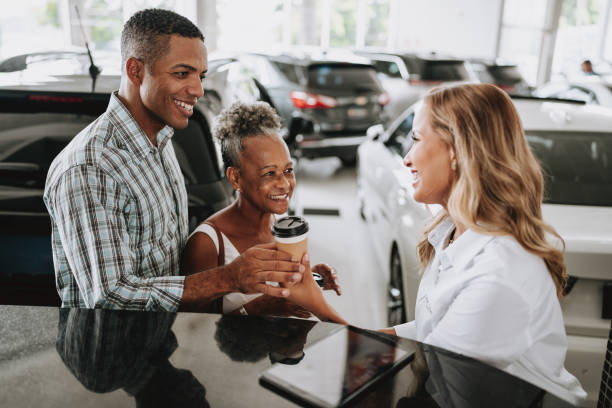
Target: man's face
171	87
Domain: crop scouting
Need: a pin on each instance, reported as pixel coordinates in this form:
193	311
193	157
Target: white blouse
235	300
486	297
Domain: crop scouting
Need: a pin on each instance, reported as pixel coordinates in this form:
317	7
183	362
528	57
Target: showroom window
578	36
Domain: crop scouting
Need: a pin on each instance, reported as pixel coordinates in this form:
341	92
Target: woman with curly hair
260	169
491	281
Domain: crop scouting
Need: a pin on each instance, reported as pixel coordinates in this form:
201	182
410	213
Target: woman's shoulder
511	263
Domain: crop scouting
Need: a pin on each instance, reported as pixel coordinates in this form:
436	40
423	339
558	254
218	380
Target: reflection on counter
107	350
101	358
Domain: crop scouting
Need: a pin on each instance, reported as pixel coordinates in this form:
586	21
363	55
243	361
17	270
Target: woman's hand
329	275
310	296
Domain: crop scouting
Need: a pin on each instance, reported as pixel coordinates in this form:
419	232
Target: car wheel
396	313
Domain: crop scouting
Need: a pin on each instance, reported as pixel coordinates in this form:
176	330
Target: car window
343	77
509	74
444	71
31	137
262	69
401	138
30	141
577	166
480	69
387	68
195	152
240	83
288	70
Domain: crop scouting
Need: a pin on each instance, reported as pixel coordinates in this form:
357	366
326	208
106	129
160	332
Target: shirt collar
464	248
134	138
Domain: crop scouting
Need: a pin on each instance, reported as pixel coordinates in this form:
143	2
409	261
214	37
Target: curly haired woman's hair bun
242	120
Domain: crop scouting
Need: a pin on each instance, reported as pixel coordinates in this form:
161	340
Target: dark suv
506	76
407	76
35	125
340	95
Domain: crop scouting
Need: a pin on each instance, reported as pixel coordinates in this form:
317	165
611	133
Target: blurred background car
407	76
589	89
506	76
339	94
573	142
37	120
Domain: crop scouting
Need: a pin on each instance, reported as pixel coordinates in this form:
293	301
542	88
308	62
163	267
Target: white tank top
231	301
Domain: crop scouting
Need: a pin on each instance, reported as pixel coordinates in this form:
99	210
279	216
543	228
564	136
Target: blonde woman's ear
453	159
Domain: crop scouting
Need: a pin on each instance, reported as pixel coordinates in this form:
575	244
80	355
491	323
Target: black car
340	95
36	122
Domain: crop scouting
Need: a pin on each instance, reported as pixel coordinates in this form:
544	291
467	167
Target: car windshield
577	166
508	74
343	77
443	70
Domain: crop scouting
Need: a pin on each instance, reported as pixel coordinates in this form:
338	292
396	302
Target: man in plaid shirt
116	194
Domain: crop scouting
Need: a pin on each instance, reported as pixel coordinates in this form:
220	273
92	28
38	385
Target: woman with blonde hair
491	281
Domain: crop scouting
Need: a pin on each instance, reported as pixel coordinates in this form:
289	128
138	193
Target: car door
384	173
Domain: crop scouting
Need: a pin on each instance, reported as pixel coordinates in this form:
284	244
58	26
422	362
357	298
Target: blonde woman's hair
499	184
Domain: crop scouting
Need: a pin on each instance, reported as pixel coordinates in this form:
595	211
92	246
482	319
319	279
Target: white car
592	89
573	141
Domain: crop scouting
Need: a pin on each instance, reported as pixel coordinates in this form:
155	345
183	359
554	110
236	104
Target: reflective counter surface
54	357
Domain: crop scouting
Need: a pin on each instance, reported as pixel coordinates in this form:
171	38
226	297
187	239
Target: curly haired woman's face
429	160
266	173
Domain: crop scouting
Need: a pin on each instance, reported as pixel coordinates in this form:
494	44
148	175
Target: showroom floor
342	240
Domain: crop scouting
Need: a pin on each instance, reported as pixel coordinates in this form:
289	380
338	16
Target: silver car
573	141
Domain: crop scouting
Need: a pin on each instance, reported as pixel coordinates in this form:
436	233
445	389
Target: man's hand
329	275
264	263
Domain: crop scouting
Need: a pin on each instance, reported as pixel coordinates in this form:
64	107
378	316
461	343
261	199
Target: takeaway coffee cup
291	235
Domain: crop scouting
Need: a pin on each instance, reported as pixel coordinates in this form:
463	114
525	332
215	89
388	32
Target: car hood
585	229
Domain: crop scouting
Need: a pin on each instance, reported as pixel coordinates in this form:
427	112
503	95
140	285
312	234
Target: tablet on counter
337	369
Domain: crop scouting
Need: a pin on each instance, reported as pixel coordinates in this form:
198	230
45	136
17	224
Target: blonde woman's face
429	160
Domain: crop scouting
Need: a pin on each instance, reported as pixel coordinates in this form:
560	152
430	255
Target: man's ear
134	69
233	176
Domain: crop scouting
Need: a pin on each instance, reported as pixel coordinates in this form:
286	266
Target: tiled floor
342	241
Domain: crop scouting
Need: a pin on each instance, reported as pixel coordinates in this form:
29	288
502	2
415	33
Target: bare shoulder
200	253
222	219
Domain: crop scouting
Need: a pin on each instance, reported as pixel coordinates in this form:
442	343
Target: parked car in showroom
573	141
589	89
37	120
339	93
407	76
506	76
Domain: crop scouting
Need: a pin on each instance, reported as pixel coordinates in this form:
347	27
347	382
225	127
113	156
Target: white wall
466	28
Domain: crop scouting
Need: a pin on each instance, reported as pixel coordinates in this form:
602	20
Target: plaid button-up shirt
118	209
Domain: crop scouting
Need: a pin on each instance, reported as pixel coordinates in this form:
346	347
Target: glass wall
578	37
522	33
269	24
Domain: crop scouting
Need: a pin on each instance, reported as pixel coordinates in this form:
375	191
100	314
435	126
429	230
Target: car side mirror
375	132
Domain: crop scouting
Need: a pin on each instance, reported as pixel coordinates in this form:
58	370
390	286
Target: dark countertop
55	357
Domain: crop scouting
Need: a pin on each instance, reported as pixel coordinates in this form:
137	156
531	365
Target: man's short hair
147	33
